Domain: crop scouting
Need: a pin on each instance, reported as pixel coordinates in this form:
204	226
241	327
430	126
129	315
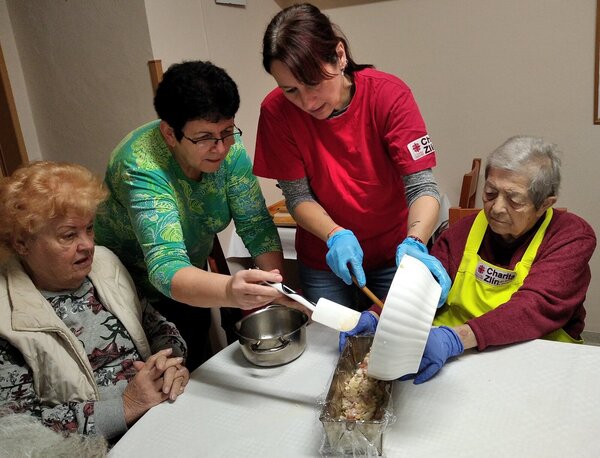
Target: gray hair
533	157
24	435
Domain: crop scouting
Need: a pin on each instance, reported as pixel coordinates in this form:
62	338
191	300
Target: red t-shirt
354	163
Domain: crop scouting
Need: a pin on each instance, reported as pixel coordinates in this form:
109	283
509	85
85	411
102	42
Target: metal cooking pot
272	336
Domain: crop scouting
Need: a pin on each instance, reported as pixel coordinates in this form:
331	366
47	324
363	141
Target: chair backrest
470	181
281	216
156	73
456	213
216	259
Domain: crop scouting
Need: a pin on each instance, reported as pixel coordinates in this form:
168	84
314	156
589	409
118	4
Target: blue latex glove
367	323
442	343
344	249
419	251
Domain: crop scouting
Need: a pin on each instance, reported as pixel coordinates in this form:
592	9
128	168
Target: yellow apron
480	286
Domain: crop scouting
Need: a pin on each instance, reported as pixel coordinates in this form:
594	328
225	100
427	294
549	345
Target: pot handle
255	345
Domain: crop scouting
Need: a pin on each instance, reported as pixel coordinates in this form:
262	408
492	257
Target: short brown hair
41	191
303	38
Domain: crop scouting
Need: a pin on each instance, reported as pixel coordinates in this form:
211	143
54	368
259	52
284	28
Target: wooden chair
470	181
468	193
280	214
456	213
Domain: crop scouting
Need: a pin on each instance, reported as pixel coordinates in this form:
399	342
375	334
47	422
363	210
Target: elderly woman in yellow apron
519	269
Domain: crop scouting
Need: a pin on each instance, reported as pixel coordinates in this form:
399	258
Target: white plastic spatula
326	312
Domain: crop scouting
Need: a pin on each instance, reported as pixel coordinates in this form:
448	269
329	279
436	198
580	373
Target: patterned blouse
158	221
110	351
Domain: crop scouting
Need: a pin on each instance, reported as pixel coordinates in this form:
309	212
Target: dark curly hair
195	90
303	38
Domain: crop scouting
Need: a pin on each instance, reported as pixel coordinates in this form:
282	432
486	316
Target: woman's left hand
418	250
175	379
174	374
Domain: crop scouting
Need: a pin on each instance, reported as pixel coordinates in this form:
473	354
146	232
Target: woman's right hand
245	290
345	249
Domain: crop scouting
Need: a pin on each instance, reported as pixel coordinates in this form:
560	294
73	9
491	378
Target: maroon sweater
553	293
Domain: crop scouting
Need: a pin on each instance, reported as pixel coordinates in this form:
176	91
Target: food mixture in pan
362	394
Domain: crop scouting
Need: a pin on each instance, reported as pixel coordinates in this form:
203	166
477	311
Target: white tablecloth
236	249
536	399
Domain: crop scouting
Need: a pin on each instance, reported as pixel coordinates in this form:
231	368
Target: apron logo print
494	276
420	147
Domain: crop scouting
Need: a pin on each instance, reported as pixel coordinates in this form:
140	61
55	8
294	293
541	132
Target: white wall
227	35
85	71
481	71
177	31
235	40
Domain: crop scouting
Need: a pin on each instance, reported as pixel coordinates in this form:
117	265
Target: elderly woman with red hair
78	350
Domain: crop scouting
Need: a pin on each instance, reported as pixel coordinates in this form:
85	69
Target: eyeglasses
206	143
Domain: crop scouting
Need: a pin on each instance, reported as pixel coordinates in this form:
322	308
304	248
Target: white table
238	257
236	248
536	399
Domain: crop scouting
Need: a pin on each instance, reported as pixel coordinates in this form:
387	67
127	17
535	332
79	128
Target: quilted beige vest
61	369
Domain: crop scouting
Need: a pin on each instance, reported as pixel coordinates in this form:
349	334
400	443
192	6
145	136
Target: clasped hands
159	378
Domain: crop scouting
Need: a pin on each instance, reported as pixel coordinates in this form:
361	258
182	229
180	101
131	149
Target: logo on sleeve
493	275
420	147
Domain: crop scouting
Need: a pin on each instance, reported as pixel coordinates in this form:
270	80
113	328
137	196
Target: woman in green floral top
175	183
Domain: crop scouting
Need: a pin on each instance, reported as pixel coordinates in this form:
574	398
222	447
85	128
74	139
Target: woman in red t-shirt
351	153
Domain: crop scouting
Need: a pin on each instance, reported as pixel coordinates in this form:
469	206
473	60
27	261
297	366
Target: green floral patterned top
158	221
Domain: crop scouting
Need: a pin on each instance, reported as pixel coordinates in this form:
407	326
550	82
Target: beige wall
235	37
85	71
177	30
481	71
